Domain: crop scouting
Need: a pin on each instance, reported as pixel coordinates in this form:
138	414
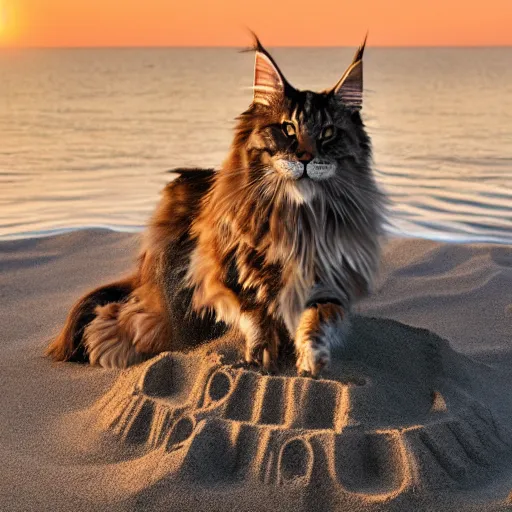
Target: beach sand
414	414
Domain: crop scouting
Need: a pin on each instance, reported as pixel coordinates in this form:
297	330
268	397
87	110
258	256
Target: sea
87	135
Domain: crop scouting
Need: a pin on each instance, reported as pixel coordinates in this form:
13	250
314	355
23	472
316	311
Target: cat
278	243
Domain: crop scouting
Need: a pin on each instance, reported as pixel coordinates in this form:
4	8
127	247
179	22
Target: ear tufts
350	87
360	50
256	45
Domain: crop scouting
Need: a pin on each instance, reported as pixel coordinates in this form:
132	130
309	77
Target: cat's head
304	139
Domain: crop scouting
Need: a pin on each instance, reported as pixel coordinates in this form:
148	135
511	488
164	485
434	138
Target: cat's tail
115	325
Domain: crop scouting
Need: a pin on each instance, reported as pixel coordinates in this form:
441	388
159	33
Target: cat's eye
289	129
327	133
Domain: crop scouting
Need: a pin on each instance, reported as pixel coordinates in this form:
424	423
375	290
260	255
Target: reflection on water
86	135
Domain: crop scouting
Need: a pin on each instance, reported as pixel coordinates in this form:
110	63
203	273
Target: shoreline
394	234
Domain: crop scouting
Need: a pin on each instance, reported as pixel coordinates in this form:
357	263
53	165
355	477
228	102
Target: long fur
257	245
125	322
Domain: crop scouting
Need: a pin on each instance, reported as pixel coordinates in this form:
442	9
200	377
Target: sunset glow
8	19
3	19
64	23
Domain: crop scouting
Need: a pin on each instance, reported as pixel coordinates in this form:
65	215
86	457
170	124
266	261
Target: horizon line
138	47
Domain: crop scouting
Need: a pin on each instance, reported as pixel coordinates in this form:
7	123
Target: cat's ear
268	79
349	90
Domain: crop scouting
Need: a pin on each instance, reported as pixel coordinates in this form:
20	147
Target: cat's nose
305	157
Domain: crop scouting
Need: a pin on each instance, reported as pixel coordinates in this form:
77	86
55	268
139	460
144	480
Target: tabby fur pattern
278	243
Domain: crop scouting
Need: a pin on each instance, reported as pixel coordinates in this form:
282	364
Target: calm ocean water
86	135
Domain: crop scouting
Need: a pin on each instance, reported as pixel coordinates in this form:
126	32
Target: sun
6	23
3	18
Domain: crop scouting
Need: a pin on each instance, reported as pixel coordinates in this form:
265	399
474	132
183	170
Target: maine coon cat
278	243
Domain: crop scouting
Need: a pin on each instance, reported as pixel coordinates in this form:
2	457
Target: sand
414	414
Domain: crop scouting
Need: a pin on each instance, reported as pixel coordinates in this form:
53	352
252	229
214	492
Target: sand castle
397	415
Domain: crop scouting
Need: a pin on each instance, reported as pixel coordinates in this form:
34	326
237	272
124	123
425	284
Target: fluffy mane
278	243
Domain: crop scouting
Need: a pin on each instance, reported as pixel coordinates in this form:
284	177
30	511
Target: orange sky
277	22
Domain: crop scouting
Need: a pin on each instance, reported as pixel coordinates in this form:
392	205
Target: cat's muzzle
315	169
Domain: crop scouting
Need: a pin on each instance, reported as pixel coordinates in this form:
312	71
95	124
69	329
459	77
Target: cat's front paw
261	343
253	354
261	358
320	328
312	358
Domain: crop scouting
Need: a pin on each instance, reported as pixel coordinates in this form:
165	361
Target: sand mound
399	413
